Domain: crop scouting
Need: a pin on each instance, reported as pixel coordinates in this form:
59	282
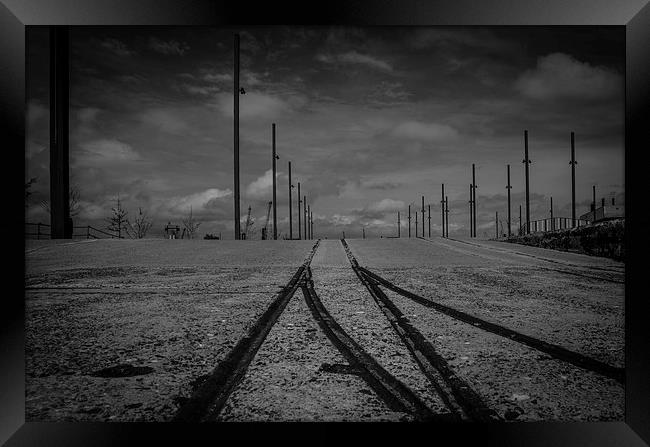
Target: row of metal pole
527	162
306	217
307	230
61	222
428	218
444	202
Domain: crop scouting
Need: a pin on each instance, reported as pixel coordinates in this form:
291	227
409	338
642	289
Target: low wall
602	239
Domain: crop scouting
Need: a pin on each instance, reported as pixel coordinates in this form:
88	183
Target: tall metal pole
520	222
290	213
496	221
573	164
526	163
474	198
593	206
275	203
429	214
304	210
60	221
311	225
447	216
409	220
236	142
509	187
399	225
471	211
552	222
422	216
416	223
442	209
299	223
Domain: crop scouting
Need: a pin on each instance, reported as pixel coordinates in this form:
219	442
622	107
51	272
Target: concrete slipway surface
122	330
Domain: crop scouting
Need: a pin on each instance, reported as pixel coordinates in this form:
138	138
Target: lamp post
552	221
299	220
416	223
471	210
275	203
423	216
304	210
290	199
447	215
573	164
527	163
474	198
442	209
509	187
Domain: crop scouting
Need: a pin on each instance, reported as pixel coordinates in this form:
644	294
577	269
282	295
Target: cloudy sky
371	119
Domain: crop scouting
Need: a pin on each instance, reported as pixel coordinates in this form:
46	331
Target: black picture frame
634	15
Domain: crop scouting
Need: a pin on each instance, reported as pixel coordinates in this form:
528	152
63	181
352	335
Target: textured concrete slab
120	330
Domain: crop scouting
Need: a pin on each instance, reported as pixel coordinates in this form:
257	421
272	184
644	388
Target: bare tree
118	221
190	225
74	199
139	227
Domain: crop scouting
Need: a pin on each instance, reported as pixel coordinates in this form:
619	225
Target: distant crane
265	230
249	222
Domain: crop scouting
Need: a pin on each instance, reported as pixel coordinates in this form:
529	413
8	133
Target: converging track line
208	400
459	397
392	391
555	351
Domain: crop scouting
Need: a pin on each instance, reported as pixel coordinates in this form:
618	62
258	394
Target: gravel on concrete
177	307
555	256
291	378
353	307
519	382
578	313
121	330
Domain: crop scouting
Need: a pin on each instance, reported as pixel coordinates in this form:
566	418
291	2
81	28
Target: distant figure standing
171	231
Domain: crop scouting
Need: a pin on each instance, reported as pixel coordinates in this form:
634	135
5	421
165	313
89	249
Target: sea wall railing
554	224
42	231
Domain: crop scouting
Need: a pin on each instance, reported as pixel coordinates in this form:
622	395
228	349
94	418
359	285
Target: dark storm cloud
365	115
354	58
117	47
172	47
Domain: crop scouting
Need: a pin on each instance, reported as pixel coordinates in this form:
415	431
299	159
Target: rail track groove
208	400
555	351
459	397
210	397
392	391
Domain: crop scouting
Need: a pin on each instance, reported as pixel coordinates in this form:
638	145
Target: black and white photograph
325	224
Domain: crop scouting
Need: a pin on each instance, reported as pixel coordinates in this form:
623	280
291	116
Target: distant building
603	213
